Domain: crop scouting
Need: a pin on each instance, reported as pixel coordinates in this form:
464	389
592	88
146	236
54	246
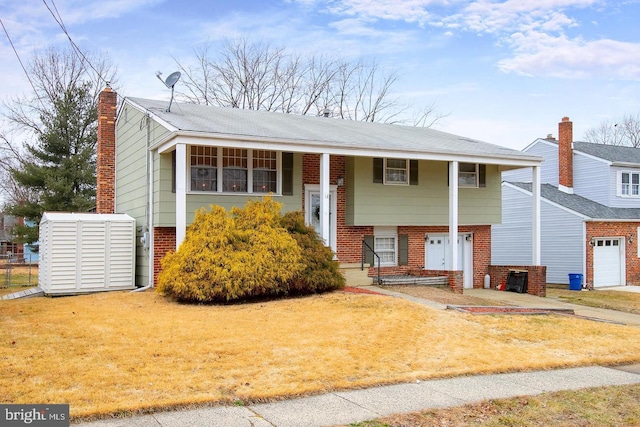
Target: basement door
312	212
608	266
436	248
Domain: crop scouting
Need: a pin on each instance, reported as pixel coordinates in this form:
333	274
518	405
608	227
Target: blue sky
506	72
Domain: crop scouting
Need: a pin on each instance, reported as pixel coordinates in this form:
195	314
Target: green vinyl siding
165	207
131	176
427	203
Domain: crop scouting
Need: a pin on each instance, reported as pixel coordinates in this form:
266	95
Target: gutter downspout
149	212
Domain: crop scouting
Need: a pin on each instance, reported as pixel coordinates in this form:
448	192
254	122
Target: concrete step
354	275
415	280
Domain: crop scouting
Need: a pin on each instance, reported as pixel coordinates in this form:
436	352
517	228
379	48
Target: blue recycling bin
575	282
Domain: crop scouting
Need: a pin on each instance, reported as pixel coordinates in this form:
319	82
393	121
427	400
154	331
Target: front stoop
354	275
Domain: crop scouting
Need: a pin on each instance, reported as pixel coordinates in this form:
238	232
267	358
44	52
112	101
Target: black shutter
403	249
482	175
448	169
378	170
287	174
368	255
413	172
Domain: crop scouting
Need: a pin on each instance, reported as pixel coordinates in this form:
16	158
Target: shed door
607	263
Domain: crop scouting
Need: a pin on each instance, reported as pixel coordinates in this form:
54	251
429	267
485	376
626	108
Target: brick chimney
565	155
106	161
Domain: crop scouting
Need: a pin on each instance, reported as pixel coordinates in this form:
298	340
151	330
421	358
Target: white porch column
324	198
181	193
453	215
535	224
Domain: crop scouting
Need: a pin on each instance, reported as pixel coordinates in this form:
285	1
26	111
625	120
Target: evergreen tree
51	164
60	169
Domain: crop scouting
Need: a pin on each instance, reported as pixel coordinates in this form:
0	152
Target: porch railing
365	248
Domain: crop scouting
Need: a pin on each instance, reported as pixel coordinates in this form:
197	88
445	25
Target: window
204	169
396	171
630	184
264	171
386	245
468	175
235	170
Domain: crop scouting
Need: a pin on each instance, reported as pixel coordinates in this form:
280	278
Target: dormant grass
614	300
121	352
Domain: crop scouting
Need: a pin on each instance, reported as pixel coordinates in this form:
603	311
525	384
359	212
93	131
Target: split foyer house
590	211
422	200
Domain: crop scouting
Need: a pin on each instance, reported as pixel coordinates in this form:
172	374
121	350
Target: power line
24	69
59	21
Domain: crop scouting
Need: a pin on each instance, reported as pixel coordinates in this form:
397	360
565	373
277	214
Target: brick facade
349	238
536	277
164	241
627	231
565	153
106	152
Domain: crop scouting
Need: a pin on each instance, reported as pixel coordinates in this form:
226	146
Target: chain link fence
17	271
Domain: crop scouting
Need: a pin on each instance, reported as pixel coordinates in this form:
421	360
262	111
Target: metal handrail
366	246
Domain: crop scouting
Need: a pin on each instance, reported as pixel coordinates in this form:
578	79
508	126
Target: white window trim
619	184
384	173
385	232
476	173
220	176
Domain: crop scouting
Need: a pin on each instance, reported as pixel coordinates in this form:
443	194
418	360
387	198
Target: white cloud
542	54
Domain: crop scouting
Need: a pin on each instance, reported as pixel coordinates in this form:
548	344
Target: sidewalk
346	407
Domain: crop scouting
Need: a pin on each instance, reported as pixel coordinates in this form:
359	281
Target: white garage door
607	263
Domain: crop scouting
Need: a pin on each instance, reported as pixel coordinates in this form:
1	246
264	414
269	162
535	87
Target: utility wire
58	18
24	69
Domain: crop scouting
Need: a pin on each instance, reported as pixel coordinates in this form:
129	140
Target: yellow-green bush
320	272
229	256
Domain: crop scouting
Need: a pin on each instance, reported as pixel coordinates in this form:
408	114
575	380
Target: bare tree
623	132
259	76
53	132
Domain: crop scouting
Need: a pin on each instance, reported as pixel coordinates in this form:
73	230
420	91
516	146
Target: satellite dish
170	82
172	79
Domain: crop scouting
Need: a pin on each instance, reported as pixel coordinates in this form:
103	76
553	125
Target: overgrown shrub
250	252
229	256
320	272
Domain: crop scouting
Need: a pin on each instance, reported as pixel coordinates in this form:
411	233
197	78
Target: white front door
312	212
437	255
607	262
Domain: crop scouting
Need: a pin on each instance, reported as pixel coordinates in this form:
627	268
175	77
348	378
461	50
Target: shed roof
582	205
86	217
218	122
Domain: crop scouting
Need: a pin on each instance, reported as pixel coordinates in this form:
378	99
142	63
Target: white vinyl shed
86	252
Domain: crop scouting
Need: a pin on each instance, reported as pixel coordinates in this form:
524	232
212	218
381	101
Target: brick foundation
164	241
536	277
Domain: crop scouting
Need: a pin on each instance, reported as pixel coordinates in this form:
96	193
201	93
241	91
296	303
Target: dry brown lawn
125	352
613	300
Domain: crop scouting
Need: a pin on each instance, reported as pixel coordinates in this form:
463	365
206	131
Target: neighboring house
590	210
9	249
400	189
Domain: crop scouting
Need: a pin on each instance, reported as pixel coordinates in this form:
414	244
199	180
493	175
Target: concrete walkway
340	408
345	407
526	300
